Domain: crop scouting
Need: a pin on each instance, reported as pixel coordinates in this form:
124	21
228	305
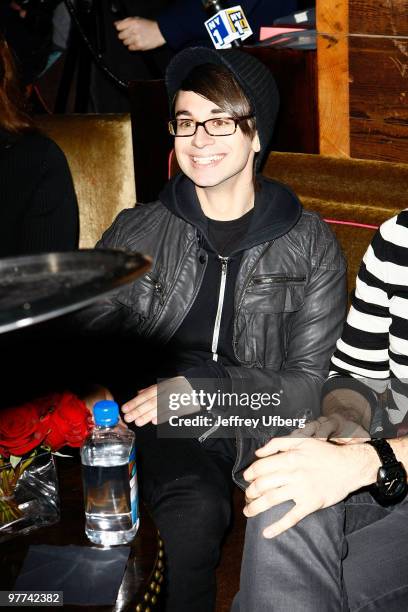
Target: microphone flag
228	25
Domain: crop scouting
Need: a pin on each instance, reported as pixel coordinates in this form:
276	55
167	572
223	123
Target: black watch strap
384	451
391	486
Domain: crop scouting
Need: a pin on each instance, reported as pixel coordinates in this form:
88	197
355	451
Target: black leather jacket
290	297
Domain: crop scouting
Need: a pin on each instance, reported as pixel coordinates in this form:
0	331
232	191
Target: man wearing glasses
246	290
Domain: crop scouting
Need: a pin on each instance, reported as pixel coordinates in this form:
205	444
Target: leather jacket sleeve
111	315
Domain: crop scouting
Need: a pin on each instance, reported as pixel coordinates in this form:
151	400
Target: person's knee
257	524
192	505
325	526
257	547
307	555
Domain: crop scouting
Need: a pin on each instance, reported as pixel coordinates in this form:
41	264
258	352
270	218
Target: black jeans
187	487
352	556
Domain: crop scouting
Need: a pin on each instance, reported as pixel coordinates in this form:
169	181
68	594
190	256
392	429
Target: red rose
69	423
22	428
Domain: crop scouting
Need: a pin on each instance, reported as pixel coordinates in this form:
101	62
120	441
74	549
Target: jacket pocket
275	294
263	325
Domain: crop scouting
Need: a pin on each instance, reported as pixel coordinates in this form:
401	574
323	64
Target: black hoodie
275	212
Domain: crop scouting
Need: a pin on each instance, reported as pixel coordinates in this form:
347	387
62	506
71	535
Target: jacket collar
277	209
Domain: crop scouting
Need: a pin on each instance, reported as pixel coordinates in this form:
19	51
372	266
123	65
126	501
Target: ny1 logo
228	25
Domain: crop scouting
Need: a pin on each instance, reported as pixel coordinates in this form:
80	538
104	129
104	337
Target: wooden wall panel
363	78
379	17
378	101
378	64
333	72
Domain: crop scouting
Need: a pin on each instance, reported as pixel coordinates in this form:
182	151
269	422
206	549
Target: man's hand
313	473
349	404
346	419
96	394
142	409
335	428
139	34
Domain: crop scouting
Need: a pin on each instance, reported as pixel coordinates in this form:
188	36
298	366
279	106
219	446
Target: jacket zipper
221	296
277	279
158	288
238	457
217	326
157	316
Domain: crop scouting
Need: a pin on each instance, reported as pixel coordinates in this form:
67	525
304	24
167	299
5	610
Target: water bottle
109	479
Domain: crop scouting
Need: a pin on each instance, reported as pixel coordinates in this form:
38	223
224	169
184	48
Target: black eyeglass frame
236	120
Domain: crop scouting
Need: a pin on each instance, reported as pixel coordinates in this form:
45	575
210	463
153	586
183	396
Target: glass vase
28	495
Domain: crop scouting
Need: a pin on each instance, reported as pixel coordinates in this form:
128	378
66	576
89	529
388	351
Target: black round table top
35	288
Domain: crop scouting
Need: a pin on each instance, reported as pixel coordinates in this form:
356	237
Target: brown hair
216	83
13	115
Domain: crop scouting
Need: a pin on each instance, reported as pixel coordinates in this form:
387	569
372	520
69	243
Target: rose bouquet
29	434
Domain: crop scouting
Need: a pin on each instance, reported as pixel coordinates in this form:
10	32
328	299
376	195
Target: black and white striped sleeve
372	353
362	350
374	343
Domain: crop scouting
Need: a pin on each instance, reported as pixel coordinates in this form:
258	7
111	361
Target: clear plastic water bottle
109	479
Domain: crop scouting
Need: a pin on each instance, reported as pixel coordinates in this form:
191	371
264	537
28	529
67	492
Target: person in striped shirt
321	531
373	349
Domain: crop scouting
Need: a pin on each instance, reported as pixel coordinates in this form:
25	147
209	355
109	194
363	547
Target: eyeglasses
217	126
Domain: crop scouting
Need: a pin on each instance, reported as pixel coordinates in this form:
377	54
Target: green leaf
14	461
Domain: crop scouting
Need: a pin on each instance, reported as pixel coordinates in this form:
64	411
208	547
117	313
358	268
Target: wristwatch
391	485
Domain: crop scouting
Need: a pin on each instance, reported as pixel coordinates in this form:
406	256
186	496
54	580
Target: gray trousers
349	557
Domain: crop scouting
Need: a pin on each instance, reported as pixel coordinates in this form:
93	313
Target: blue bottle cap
106	413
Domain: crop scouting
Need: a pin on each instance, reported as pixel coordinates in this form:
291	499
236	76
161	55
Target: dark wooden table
142	582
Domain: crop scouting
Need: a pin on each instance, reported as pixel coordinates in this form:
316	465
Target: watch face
392	480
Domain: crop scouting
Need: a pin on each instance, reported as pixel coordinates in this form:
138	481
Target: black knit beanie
255	79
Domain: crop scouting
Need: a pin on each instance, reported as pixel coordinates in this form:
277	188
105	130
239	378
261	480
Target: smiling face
212	161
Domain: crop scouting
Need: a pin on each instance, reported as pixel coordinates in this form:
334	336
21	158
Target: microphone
227	27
